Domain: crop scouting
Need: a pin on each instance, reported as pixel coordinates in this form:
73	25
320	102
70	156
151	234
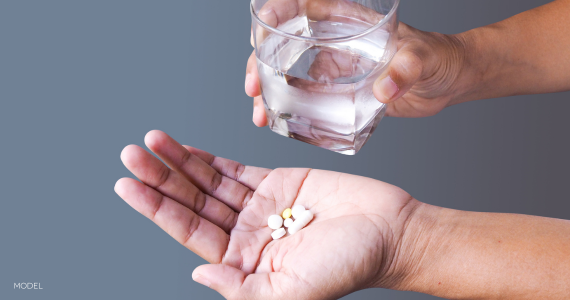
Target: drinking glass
317	62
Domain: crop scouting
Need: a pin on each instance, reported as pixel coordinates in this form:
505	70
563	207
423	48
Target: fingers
277	12
224	279
252	89
259	117
198	172
328	67
328	9
251	77
404	71
197	234
251	41
246	175
274	13
235	284
155	174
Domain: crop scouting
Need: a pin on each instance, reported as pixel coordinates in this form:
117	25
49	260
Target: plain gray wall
79	80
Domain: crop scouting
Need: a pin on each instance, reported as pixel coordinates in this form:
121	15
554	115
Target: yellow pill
286	213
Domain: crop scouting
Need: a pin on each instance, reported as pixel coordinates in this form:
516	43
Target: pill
279	233
286	213
275	221
301	221
297	210
288	222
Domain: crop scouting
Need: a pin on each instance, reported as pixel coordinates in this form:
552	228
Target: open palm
218	208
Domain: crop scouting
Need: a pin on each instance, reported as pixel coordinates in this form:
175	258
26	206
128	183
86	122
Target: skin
525	54
218	208
365	233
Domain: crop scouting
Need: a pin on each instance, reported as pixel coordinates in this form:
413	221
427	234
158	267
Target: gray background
79	80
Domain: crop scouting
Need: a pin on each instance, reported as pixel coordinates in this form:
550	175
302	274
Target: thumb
233	283
403	72
224	279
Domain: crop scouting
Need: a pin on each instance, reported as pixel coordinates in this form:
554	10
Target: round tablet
275	221
288	222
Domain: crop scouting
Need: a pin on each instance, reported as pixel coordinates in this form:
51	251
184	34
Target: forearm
469	255
526	54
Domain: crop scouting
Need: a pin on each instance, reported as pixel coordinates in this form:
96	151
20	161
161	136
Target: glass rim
387	17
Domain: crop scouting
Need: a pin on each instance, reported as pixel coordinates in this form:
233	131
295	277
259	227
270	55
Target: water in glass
322	93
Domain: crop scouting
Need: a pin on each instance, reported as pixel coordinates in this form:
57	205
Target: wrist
406	258
475	67
488	67
424	239
470	255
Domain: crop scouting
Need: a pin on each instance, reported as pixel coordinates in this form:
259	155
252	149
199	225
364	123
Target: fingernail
247	79
264	12
251	40
268	17
201	280
388	88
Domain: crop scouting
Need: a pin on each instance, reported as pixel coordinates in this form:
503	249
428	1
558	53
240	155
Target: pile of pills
298	212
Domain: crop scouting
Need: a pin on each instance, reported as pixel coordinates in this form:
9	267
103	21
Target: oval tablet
279	233
286	213
297	210
301	221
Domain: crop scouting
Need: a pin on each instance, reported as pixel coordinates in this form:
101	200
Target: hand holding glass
317	61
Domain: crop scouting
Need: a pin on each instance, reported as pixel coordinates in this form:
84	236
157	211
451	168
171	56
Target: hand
218	208
423	77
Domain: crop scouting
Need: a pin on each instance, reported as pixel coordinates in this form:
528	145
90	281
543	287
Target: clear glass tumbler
317	61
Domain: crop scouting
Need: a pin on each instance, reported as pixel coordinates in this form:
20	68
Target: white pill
279	233
301	221
297	210
288	222
275	221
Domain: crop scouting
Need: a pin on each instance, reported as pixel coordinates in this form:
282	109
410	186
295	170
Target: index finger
198	172
247	175
195	233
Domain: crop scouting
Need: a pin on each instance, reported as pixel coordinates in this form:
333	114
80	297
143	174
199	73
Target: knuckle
215	182
246	198
200	202
406	66
257	101
162	177
192	228
185	157
157	208
238	172
230	221
410	59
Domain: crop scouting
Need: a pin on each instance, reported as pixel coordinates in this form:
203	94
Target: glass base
348	144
